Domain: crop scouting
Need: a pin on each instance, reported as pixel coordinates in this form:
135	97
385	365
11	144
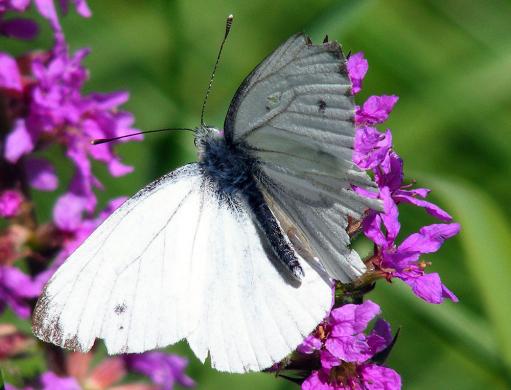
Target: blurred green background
450	63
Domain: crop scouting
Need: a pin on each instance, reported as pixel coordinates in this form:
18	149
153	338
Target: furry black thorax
228	165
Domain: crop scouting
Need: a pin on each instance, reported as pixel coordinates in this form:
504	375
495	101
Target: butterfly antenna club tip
228	25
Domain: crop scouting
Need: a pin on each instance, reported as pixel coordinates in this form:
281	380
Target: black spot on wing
120	308
321	106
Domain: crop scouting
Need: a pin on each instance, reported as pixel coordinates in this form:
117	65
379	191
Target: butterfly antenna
99	141
228	25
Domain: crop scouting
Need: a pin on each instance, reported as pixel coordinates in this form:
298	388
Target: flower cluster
164	370
338	354
373	152
347	354
43	109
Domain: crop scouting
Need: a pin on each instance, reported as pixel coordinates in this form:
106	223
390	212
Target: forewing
295	114
128	282
178	261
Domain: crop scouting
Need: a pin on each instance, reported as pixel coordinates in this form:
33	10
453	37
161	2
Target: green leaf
2	384
486	239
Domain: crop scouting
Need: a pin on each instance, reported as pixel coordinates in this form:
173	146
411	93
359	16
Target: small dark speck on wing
119	309
321	106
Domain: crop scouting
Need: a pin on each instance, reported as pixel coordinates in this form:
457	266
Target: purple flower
162	368
357	69
50	381
346	341
58	111
15	288
345	351
402	261
390	175
375	110
371	147
10	203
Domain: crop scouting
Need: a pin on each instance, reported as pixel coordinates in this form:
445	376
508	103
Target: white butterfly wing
175	262
295	114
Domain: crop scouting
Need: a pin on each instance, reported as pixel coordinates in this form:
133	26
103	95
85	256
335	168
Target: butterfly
237	252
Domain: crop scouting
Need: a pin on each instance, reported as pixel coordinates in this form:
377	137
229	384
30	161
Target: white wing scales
175	262
295	113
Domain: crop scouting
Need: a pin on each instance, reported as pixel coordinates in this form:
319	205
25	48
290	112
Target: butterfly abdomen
232	170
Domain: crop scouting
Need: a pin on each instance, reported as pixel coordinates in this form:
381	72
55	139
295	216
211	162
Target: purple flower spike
162	368
357	69
10	203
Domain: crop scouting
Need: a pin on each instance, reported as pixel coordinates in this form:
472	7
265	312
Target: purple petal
430	288
351	319
375	110
430	238
376	343
380	378
19	28
15	287
68	211
10	76
47	10
10	203
371	226
390	216
349	348
18	142
162	368
382	328
357	68
431	208
14	5
391	174
50	381
371	147
20	284
328	359
116	168
309	345
81	7
318	381
41	174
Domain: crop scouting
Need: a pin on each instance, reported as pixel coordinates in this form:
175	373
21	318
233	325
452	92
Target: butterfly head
205	134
